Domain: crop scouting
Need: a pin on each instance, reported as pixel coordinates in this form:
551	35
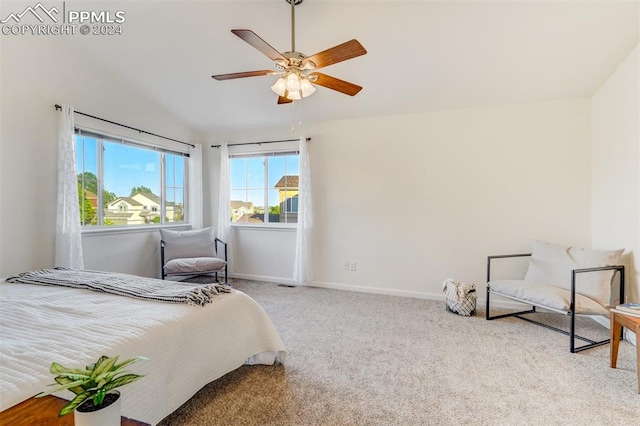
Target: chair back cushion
186	244
552	264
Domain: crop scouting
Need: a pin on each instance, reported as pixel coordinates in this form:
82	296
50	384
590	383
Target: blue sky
127	166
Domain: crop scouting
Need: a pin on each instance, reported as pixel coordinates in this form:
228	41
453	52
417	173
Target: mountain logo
38	11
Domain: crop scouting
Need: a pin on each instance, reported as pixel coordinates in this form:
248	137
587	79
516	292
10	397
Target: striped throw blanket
125	285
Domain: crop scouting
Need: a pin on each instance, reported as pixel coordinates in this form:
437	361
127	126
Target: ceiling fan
297	71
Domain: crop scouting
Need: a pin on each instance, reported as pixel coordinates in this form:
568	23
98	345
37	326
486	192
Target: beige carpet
364	359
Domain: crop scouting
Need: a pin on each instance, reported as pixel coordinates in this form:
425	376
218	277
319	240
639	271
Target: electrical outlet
346	265
352	266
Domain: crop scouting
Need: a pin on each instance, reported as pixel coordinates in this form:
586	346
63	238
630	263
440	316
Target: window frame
264	155
100	137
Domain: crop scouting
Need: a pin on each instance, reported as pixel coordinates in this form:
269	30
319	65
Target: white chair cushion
182	244
546	295
194	265
551	264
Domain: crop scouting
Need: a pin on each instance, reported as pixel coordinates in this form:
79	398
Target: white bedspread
187	346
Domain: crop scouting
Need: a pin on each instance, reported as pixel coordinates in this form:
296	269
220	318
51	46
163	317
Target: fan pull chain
300	115
293	126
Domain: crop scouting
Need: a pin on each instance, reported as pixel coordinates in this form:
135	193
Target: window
264	187
124	183
292	204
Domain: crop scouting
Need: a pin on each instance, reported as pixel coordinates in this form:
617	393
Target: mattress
186	346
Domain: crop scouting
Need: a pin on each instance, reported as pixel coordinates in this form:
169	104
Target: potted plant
96	402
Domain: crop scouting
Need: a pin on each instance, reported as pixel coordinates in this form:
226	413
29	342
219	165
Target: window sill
265	226
113	230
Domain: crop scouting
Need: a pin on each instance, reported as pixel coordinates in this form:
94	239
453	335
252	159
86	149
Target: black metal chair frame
216	242
571	313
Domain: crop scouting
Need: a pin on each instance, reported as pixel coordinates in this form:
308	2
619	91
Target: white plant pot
108	416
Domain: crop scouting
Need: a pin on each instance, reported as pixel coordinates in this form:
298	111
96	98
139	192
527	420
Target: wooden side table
44	411
632	323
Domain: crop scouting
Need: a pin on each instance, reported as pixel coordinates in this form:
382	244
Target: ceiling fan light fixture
293	82
306	88
294	96
297	70
279	87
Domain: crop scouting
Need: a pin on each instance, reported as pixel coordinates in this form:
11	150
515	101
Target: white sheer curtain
68	228
303	268
195	187
224	204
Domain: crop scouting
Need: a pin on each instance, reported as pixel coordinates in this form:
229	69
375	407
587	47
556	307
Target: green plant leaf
59	369
74	376
59	387
74	403
108	376
129	361
65	381
98	398
103	365
121	381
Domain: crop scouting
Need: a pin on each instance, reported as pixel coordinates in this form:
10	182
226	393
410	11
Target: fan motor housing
296	58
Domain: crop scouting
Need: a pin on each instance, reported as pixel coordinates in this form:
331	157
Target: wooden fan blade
339	53
283	100
336	84
254	40
241	74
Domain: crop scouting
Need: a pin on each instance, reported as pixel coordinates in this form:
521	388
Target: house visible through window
264	187
125	183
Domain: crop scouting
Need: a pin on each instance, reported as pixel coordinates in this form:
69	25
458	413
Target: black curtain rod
260	143
58	107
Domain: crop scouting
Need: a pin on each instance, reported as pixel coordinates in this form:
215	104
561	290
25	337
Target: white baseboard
276	280
628	335
366	289
378	290
481	301
505	304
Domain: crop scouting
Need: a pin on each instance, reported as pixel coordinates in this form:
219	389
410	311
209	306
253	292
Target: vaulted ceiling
422	55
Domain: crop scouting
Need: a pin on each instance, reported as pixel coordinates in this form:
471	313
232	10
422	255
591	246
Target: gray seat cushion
194	265
545	295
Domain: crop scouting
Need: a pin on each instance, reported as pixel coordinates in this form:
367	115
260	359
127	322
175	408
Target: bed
187	346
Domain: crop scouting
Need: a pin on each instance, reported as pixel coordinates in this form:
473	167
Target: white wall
615	150
38	72
414	199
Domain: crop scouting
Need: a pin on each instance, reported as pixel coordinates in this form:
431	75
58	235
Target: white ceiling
422	55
